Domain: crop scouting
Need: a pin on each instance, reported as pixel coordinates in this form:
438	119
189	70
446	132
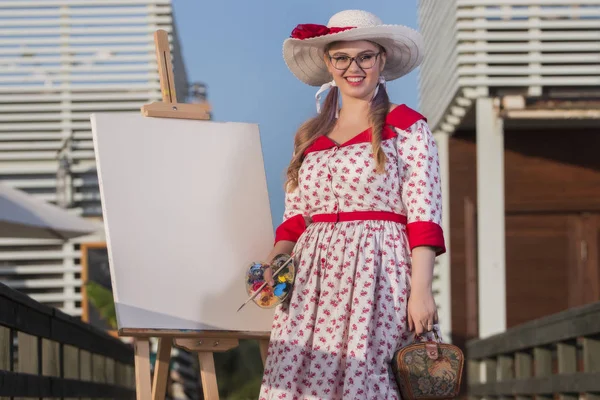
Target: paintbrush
265	284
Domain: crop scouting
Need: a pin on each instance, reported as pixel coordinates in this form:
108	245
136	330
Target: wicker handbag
428	370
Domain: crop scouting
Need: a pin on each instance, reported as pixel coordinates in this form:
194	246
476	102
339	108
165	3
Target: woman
362	217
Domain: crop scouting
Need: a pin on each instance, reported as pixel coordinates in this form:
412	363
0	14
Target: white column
442	284
69	281
490	220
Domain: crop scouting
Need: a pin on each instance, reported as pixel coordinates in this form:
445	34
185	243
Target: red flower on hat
307	31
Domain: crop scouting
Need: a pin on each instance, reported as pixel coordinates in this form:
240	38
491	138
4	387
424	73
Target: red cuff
424	233
291	229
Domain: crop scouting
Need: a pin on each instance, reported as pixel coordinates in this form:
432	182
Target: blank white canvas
186	210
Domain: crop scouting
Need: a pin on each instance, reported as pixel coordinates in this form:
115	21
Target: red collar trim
401	117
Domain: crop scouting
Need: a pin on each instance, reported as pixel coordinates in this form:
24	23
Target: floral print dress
336	335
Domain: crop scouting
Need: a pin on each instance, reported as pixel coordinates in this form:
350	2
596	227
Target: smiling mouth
355	79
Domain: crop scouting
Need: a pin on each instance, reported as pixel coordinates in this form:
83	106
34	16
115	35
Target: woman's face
355	67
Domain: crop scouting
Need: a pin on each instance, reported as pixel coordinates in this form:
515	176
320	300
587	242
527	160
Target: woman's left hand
422	311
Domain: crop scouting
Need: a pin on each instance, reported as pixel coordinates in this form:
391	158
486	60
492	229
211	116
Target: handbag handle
433	348
435	333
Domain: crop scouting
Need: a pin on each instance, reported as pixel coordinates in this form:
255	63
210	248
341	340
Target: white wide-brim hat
303	52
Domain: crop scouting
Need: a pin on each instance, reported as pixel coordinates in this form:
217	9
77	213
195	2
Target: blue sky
235	48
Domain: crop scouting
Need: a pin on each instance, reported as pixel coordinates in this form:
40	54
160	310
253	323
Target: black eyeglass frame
352	59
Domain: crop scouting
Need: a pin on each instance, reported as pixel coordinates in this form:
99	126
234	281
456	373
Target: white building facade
60	61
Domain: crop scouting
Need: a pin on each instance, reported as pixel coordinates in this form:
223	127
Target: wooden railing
45	353
553	356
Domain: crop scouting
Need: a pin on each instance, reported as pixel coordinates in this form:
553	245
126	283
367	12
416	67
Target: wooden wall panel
584	270
463	189
463	186
537	266
552	171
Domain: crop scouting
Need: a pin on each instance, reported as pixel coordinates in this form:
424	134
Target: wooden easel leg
264	347
208	375
161	368
142	368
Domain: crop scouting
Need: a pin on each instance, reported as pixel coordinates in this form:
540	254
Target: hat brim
403	45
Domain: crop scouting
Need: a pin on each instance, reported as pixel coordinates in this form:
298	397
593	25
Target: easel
169	107
205	343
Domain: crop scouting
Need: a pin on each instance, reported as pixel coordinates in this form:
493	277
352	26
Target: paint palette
270	297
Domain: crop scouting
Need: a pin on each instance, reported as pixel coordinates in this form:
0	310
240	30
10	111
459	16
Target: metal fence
558	355
45	353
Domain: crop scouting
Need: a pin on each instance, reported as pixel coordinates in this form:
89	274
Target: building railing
554	355
47	353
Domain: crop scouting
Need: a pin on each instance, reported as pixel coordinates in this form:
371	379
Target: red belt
360	216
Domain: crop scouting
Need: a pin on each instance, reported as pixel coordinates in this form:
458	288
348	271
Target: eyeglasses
364	61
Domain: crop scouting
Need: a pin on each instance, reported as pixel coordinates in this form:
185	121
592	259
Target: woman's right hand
281	247
268	276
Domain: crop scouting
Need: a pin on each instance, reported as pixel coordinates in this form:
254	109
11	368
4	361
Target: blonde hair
324	123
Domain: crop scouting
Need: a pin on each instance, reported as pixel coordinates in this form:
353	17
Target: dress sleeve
421	186
293	224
